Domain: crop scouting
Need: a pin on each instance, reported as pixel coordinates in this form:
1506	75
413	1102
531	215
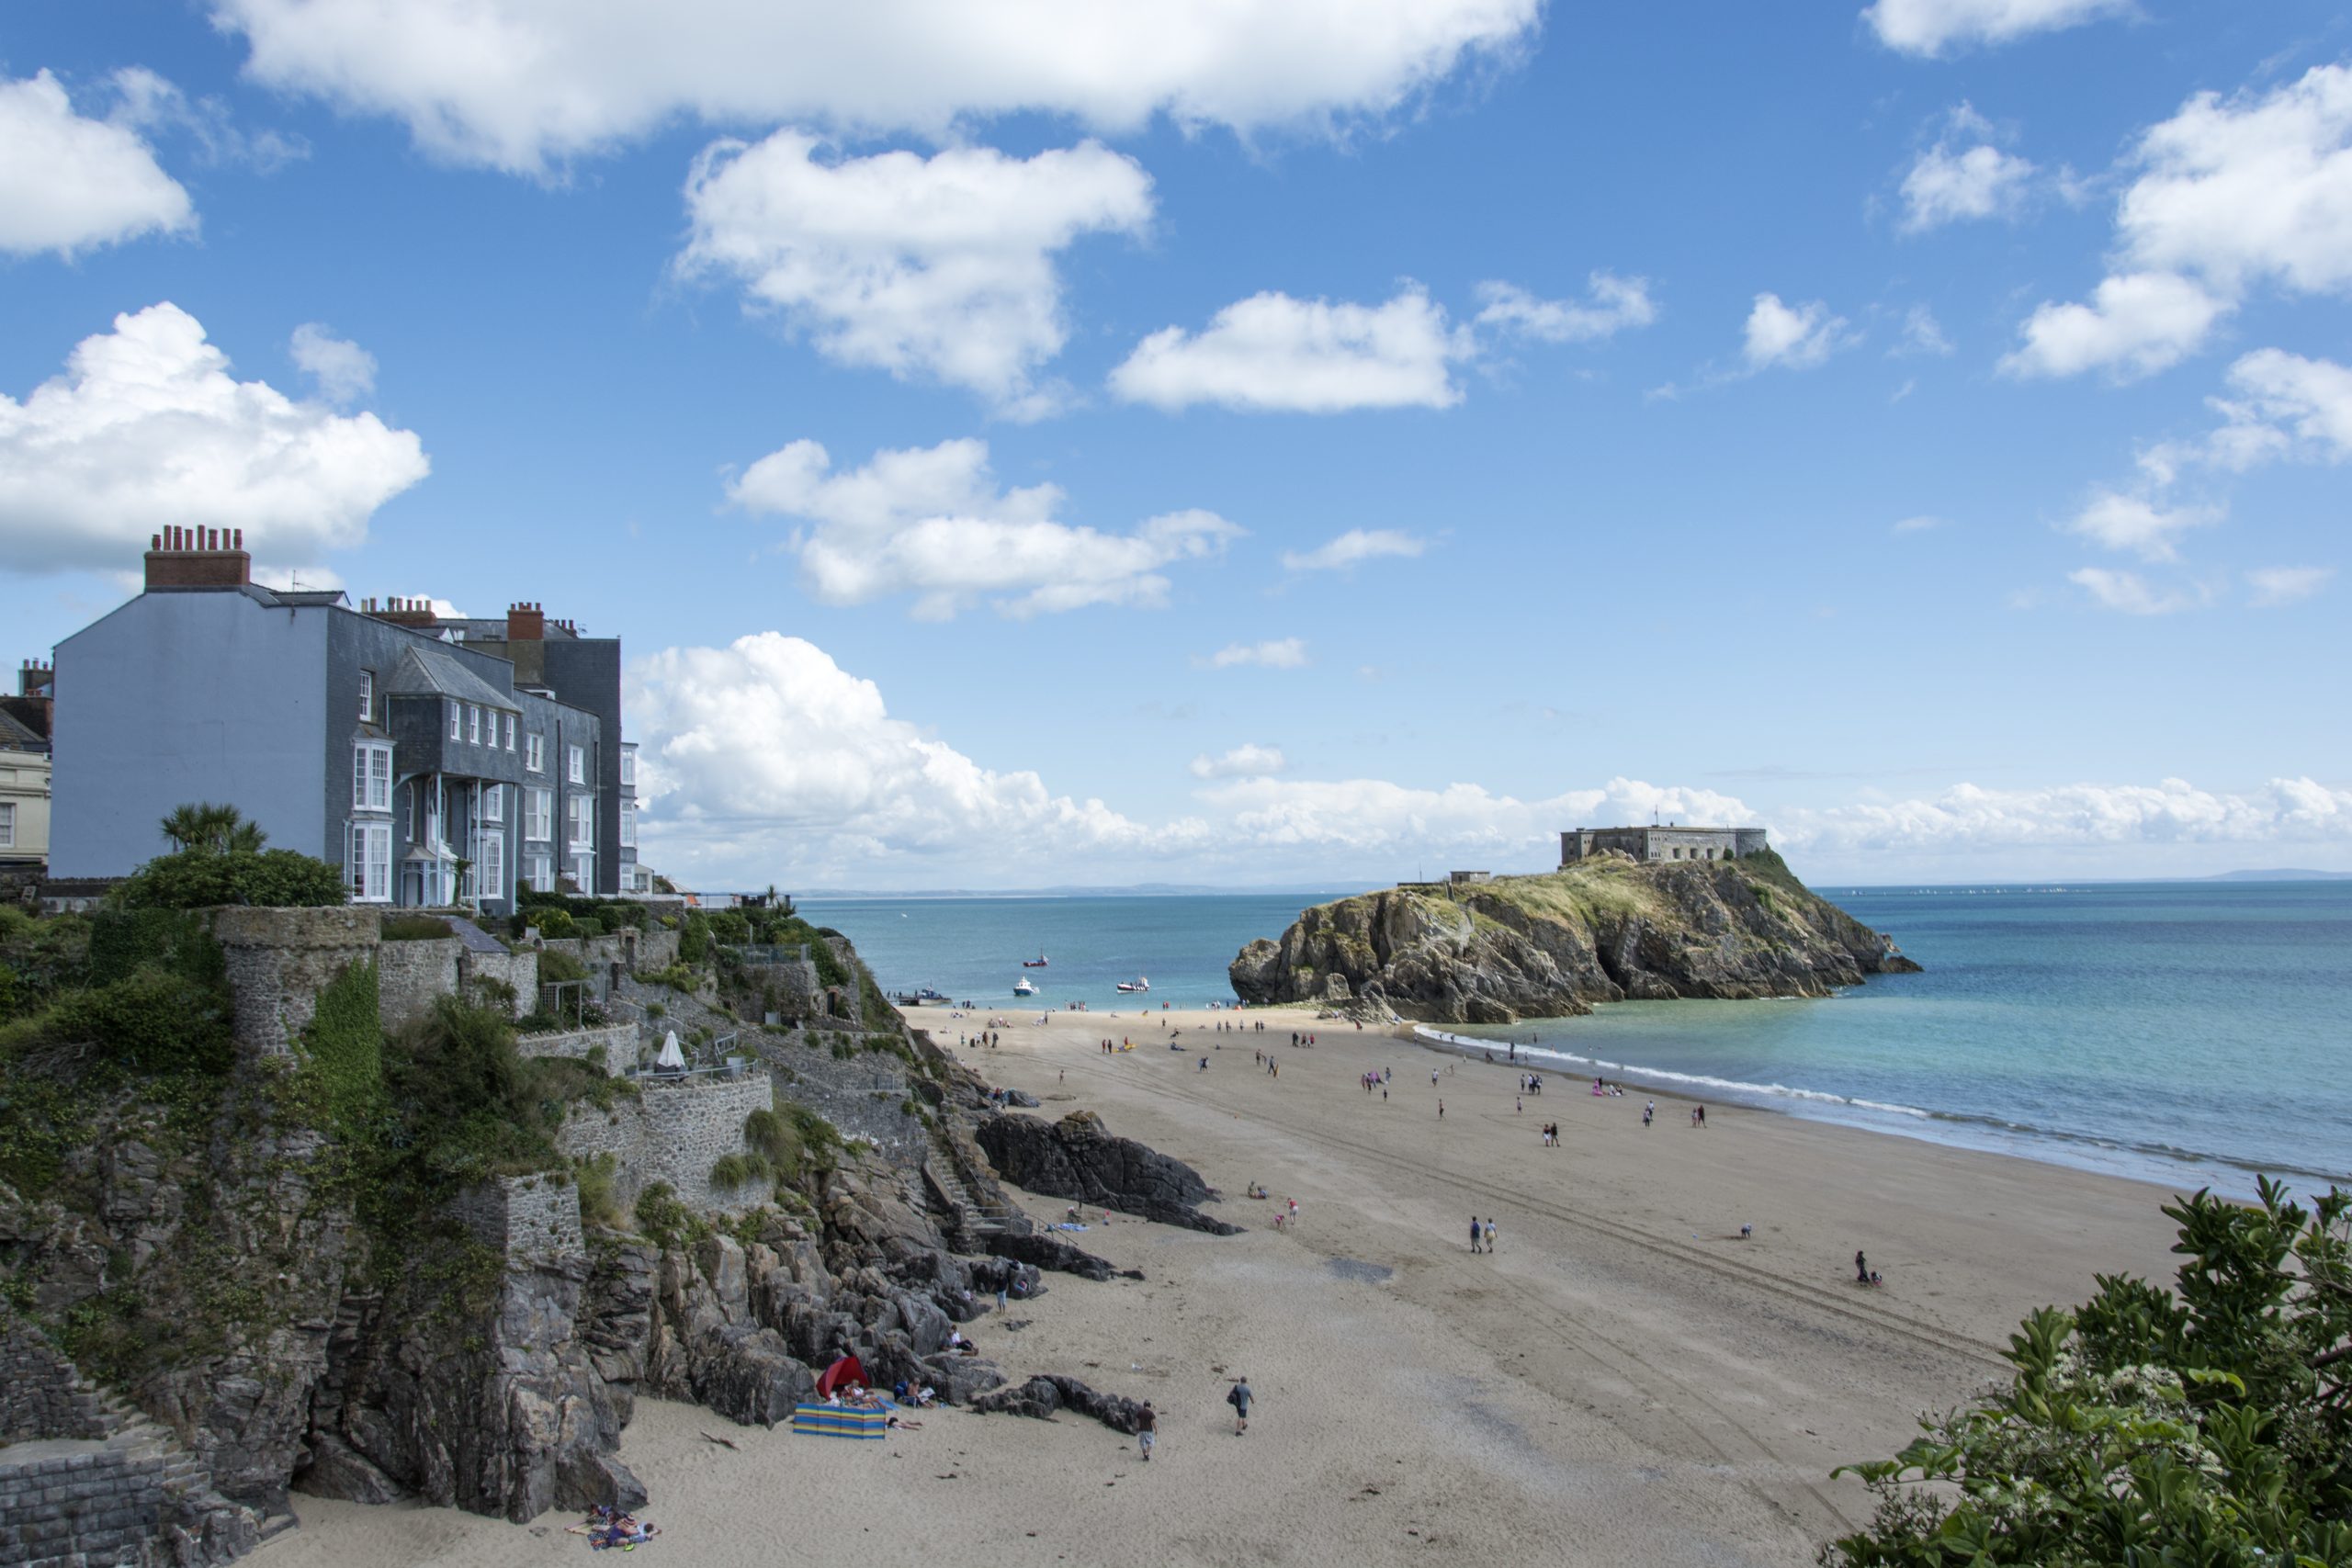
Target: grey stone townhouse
429	766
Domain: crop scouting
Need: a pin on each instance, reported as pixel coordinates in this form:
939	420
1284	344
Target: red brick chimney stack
526	623
199	558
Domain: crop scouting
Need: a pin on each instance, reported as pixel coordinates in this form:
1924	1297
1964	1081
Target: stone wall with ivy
674	1133
410	974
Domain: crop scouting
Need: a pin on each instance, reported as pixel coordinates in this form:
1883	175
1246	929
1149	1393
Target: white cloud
2230	192
68	183
1932	27
2129	592
1798	337
1271	352
2285	405
146	427
1614	304
1369	817
2249	188
1922	333
344	371
2137	324
1281	653
939	268
1245	762
1917	524
2136	524
766	758
2275	585
1355	545
519	83
1951	184
935	522
1968	820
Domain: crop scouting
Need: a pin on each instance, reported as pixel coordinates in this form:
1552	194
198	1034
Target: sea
2187	1033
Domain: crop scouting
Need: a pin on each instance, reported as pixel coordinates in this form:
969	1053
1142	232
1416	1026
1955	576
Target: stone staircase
974	1222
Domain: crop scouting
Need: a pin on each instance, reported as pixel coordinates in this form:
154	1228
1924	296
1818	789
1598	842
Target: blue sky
1244	443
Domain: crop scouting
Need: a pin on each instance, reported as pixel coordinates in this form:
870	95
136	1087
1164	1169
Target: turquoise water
2184	1032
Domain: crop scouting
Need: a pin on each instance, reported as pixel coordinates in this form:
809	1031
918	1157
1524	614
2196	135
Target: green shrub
554	923
151	1020
732	1170
345	1048
597	1178
693	940
196	879
661	1218
678	977
413	928
557	967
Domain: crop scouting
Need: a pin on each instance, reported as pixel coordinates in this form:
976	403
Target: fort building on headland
1672	841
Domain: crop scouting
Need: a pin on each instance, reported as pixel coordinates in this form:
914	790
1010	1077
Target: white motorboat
1022	987
1138	984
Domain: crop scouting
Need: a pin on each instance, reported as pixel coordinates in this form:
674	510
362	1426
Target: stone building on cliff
1669	841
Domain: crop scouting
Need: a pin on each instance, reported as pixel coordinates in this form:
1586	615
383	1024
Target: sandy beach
1625	1381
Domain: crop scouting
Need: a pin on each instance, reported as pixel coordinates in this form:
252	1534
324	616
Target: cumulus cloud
343	371
1797	337
1271	352
1369	817
520	84
1355	545
935	522
2136	324
1248	761
1936	27
146	427
2284	405
1964	176
940	269
766	758
2276	585
2129	592
1968	820
1280	653
1612	305
68	183
2136	524
2229	193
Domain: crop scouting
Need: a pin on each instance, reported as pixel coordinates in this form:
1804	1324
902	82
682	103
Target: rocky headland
1609	928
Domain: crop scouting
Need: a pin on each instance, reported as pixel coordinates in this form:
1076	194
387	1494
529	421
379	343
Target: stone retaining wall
619	1042
674	1133
532	1219
278	961
518	970
67	1502
410	974
41	1395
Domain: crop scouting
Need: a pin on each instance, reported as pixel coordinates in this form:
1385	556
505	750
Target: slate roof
424	673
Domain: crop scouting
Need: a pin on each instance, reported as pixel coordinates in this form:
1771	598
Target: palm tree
213	828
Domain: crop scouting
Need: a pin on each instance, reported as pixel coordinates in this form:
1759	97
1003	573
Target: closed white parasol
672	1059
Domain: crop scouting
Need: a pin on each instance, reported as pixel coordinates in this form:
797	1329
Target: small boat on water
1022	987
1138	984
1036	963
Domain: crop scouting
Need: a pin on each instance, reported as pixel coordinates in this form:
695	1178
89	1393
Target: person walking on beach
1476	1233
1649	1110
1441	1111
1240	1399
1861	1269
1518	1105
1492	1245
1147	1430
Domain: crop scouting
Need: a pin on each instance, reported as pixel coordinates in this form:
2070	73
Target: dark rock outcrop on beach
1606	929
1052	1252
1048	1393
1076	1157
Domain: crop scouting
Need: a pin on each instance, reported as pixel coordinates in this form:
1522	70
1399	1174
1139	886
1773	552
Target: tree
212	829
2206	1426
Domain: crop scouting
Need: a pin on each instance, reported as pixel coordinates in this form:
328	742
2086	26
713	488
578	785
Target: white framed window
457	721
473	724
493	866
493	804
575	764
628	825
539	815
371	776
581	810
510	732
541	870
534	753
369	870
367	696
628	767
7	824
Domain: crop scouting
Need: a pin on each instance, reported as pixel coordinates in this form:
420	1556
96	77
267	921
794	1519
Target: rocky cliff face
1609	929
